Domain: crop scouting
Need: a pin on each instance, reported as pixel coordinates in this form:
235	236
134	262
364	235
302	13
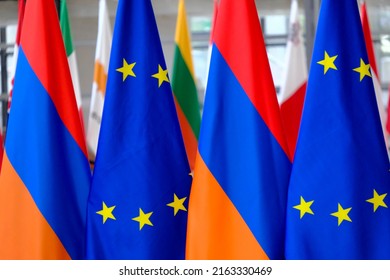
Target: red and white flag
374	69
293	88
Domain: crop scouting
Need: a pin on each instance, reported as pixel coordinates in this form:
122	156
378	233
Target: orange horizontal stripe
24	232
189	138
100	77
216	230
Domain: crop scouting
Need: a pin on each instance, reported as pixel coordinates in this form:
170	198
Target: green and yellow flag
184	88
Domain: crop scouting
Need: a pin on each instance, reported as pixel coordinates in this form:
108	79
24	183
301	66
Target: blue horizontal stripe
48	160
245	157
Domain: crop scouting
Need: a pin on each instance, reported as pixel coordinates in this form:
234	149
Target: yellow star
177	204
106	212
363	70
161	75
304	207
377	200
126	70
143	219
342	214
328	62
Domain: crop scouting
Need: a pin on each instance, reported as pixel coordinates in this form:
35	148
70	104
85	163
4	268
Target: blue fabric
245	158
341	155
141	161
48	160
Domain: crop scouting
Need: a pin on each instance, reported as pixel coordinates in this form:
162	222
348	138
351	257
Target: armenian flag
239	193
45	178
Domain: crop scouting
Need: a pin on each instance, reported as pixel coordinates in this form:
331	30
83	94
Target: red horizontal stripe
239	38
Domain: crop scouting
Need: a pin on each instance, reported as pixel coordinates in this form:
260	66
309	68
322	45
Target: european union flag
137	207
338	196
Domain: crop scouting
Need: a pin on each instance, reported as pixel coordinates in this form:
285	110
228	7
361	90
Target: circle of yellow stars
143	218
177	204
342	214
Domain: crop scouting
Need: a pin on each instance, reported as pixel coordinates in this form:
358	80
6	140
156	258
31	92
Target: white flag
102	57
